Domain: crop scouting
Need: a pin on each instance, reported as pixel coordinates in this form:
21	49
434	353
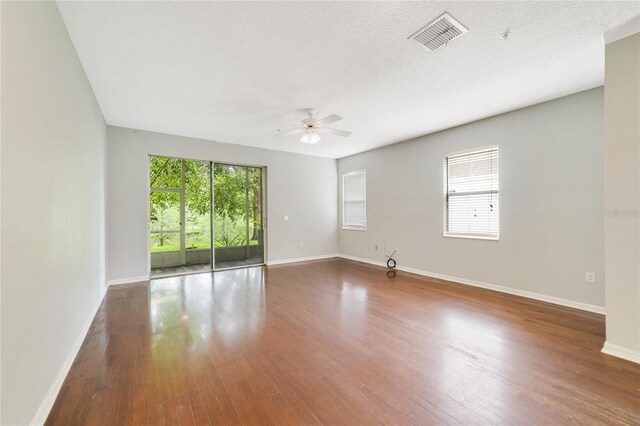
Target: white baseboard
363	260
128	280
47	403
494	287
620	352
301	259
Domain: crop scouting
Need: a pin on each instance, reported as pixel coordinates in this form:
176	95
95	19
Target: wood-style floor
338	342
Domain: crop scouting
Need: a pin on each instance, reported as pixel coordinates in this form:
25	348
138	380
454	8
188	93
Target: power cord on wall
391	263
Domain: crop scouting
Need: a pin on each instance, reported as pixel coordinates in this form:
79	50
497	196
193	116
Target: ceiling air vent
440	32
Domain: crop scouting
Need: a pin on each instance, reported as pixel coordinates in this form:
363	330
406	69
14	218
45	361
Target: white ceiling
228	71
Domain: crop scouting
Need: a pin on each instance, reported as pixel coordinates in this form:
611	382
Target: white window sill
349	228
472	237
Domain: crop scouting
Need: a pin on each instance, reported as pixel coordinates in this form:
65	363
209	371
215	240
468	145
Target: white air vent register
440	32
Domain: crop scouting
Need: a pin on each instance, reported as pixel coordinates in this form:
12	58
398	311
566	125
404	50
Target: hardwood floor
338	342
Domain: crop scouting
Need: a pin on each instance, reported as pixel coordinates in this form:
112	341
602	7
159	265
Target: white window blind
354	200
471	194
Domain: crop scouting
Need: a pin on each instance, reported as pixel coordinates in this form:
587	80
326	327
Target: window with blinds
354	200
471	194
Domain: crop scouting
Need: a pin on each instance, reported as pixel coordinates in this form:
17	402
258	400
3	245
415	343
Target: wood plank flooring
338	342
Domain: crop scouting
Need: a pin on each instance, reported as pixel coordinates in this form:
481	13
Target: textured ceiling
229	71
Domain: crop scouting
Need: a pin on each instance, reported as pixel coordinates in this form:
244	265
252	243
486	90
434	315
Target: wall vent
440	32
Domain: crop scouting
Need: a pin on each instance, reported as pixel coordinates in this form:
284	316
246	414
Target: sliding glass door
238	216
179	215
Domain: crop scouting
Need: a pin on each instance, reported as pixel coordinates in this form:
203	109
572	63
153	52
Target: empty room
320	212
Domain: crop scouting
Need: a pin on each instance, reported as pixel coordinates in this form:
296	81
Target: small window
471	199
354	200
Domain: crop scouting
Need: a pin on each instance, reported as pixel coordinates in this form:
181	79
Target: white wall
53	193
299	186
551	198
622	199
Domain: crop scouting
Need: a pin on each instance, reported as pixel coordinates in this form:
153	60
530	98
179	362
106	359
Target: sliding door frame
183	224
263	212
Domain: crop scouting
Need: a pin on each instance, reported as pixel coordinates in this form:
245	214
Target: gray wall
551	198
622	202
298	186
53	165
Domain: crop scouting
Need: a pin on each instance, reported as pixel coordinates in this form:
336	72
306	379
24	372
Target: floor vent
440	32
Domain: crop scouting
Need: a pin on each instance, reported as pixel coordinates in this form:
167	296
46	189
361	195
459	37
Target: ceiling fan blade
338	132
290	132
328	120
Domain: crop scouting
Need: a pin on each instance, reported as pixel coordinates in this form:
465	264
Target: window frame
344	210
447	234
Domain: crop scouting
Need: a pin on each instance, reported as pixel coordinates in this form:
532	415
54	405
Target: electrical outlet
286	218
590	277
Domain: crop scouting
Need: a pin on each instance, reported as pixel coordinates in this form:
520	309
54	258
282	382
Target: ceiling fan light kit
310	138
310	127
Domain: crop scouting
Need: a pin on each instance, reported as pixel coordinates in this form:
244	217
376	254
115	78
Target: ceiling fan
310	127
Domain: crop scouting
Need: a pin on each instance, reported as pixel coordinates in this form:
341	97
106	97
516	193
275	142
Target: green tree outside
230	206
